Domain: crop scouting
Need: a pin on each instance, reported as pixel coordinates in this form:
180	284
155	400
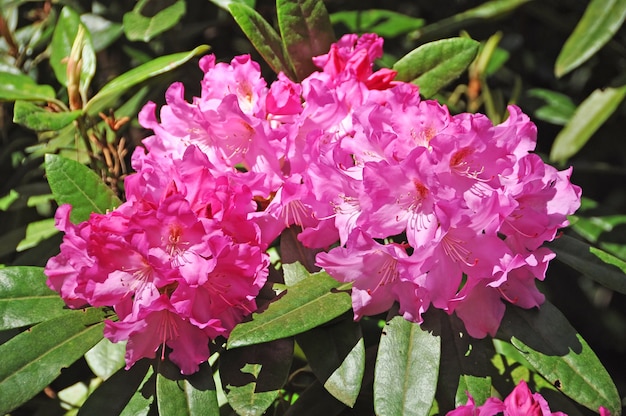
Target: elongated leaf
407	369
75	184
263	37
34	117
21	87
190	395
254	375
116	393
106	358
588	118
306	32
552	346
65	34
36	232
434	65
33	359
25	299
385	23
336	354
601	21
120	85
140	27
225	3
103	32
605	269
558	109
493	9
311	302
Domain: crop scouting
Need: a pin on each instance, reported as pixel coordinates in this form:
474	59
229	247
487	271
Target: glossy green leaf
434	65
605	269
263	37
186	395
37	118
140	27
31	360
558	108
121	393
311	302
106	358
336	354
385	23
103	32
407	369
254	375
25	299
74	183
294	273
588	118
602	19
120	85
551	345
36	232
488	10
225	3
306	32
21	87
65	34
477	387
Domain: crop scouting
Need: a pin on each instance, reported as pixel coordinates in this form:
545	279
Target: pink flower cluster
521	402
427	208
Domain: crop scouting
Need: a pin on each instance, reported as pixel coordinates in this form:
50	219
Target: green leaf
103	32
25	299
120	85
121	393
294	273
21	87
106	358
434	65
33	359
588	118
558	109
552	346
263	37
385	23
140	27
189	395
493	9
306	32
75	184
37	118
477	387
605	269
225	3
65	34
407	369
602	19
336	354
36	232
310	303
254	375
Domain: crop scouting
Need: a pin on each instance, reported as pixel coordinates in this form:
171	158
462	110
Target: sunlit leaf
434	65
120	85
179	395
263	37
558	108
103	32
37	118
22	87
140	27
25	299
479	388
602	19
306	32
225	3
336	354
33	359
106	358
587	118
73	183
311	302
385	23
407	369
36	232
551	345
605	269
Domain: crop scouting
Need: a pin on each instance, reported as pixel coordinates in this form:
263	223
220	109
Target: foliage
73	77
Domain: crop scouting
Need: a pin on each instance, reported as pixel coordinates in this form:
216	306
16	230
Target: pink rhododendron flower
521	402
